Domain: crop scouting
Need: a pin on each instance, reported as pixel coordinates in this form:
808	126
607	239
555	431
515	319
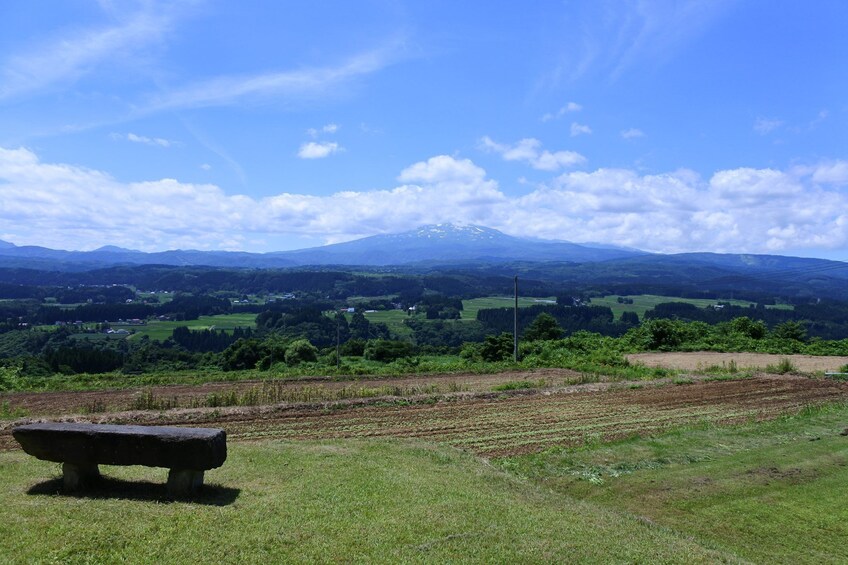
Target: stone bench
187	452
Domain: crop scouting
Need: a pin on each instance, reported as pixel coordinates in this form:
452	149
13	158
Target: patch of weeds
785	366
9	413
636	387
149	401
730	377
582	379
519	385
682	381
96	406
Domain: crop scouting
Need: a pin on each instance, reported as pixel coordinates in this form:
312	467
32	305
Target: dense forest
65	323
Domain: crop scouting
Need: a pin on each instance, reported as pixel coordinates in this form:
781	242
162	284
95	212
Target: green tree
544	327
630	318
790	330
497	348
359	326
301	351
386	350
748	327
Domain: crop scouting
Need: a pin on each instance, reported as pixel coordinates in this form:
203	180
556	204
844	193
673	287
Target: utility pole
515	325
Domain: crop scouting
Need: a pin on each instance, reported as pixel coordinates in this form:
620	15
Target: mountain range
436	244
439	245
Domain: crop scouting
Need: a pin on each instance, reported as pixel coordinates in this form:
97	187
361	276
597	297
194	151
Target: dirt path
699	360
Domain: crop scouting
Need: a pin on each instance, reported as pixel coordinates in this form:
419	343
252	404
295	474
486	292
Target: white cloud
227	90
206	167
529	150
765	126
329	128
570	107
313	150
154	141
737	210
72	56
831	173
632	133
607	39
579	129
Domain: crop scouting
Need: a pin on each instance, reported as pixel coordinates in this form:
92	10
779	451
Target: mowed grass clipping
352	501
770	492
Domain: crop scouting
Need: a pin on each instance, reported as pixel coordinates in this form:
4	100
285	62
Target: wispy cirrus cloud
329	128
530	151
231	89
568	108
610	37
632	133
143	139
764	126
74	54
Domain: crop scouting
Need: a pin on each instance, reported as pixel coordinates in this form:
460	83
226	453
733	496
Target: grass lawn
351	501
767	492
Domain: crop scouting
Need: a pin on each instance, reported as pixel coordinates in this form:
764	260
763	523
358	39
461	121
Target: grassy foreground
770	492
352	501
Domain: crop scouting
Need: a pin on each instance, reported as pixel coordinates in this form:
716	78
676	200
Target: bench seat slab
89	445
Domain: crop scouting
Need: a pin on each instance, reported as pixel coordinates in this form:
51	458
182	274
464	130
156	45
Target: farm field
394	319
492	423
155	329
700	360
306	389
471	307
599	465
644	302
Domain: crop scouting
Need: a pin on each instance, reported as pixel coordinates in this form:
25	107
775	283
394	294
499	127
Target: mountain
435	244
448	243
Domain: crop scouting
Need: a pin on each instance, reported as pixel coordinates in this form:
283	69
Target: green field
392	318
162	330
770	492
336	501
766	492
644	302
471	307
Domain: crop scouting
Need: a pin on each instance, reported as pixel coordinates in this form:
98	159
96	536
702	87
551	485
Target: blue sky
260	126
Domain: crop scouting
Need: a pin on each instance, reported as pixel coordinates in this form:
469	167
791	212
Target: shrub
386	350
300	351
497	348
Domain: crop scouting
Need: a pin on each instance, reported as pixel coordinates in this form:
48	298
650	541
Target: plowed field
494	424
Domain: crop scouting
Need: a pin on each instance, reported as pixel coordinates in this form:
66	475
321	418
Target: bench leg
76	477
184	482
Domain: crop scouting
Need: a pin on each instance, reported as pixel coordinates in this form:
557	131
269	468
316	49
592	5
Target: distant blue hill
448	243
476	247
442	243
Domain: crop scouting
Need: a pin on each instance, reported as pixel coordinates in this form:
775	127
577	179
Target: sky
667	126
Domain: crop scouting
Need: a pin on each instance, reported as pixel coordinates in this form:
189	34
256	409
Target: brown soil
497	424
699	360
37	404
